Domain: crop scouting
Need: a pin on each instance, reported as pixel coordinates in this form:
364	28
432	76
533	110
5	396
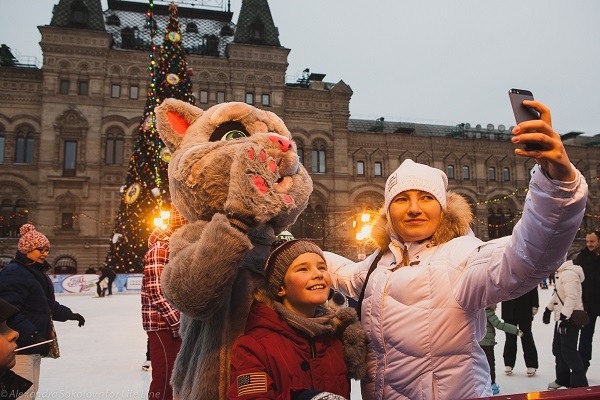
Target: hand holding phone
523	113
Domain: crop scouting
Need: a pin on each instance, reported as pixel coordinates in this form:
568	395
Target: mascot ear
173	119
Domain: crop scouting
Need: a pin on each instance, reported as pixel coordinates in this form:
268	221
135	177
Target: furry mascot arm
199	271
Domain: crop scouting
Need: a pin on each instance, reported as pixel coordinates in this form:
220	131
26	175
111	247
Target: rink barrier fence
592	392
74	284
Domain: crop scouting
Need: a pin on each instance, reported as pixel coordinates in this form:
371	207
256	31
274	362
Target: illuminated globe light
147	123
366	231
159	222
165	155
164	214
173	79
365	217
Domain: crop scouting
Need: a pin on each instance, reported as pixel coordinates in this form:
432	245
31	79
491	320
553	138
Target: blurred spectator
520	312
589	260
25	284
105	273
565	300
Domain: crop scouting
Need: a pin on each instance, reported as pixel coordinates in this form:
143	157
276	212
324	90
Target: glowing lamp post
162	221
361	238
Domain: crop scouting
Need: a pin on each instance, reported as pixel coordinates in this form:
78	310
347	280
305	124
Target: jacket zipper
313	354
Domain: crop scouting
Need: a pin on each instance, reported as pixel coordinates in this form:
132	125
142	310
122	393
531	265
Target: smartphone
523	113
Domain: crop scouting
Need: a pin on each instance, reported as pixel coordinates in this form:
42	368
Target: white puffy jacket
424	320
568	287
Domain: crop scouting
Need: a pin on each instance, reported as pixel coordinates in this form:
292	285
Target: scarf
313	327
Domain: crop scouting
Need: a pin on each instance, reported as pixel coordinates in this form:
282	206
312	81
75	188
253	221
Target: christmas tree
145	196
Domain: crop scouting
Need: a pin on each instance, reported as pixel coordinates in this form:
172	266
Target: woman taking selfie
431	279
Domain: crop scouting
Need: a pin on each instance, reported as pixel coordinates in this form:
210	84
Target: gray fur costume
237	195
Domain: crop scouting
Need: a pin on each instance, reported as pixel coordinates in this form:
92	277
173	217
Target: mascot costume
235	176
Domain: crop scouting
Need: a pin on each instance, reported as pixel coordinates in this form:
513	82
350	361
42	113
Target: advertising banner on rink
86	283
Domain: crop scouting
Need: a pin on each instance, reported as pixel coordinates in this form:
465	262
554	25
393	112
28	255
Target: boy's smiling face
306	284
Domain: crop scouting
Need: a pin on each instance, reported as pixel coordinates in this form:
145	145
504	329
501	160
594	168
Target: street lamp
163	220
361	238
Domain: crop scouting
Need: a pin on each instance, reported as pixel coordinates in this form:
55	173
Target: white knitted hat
413	176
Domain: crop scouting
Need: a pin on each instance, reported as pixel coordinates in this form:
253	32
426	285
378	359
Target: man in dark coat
520	312
589	259
110	276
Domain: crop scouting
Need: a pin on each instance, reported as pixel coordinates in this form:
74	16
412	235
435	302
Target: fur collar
347	328
456	221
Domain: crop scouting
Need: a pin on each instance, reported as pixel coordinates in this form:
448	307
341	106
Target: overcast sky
432	61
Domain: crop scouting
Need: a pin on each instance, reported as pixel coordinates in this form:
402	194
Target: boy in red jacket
292	347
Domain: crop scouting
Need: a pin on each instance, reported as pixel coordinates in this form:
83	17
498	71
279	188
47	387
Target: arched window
300	149
114	148
79	13
113	19
450	171
319	223
24	146
300	228
491	173
506	174
191	27
500	222
318	159
65	265
466	172
12	217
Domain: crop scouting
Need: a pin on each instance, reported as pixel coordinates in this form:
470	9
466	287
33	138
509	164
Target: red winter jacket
272	360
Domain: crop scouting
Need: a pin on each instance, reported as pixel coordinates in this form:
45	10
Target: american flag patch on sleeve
255	382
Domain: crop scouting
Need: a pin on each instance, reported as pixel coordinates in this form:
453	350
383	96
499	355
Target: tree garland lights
145	196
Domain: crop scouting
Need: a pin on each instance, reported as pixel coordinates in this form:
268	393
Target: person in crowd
520	312
489	341
426	287
25	284
551	279
108	274
147	364
103	287
160	319
11	384
292	347
569	367
589	260
91	270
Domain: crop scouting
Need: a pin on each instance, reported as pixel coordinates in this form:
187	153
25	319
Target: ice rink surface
103	359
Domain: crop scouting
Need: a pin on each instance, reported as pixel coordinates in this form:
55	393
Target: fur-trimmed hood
347	328
456	221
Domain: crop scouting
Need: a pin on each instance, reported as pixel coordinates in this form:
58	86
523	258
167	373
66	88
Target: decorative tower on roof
255	24
81	14
145	196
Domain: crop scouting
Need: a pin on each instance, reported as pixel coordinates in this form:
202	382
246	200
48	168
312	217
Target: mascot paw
261	178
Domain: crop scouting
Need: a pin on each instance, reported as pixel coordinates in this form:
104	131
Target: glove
562	327
77	317
546	316
316	395
520	333
534	310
